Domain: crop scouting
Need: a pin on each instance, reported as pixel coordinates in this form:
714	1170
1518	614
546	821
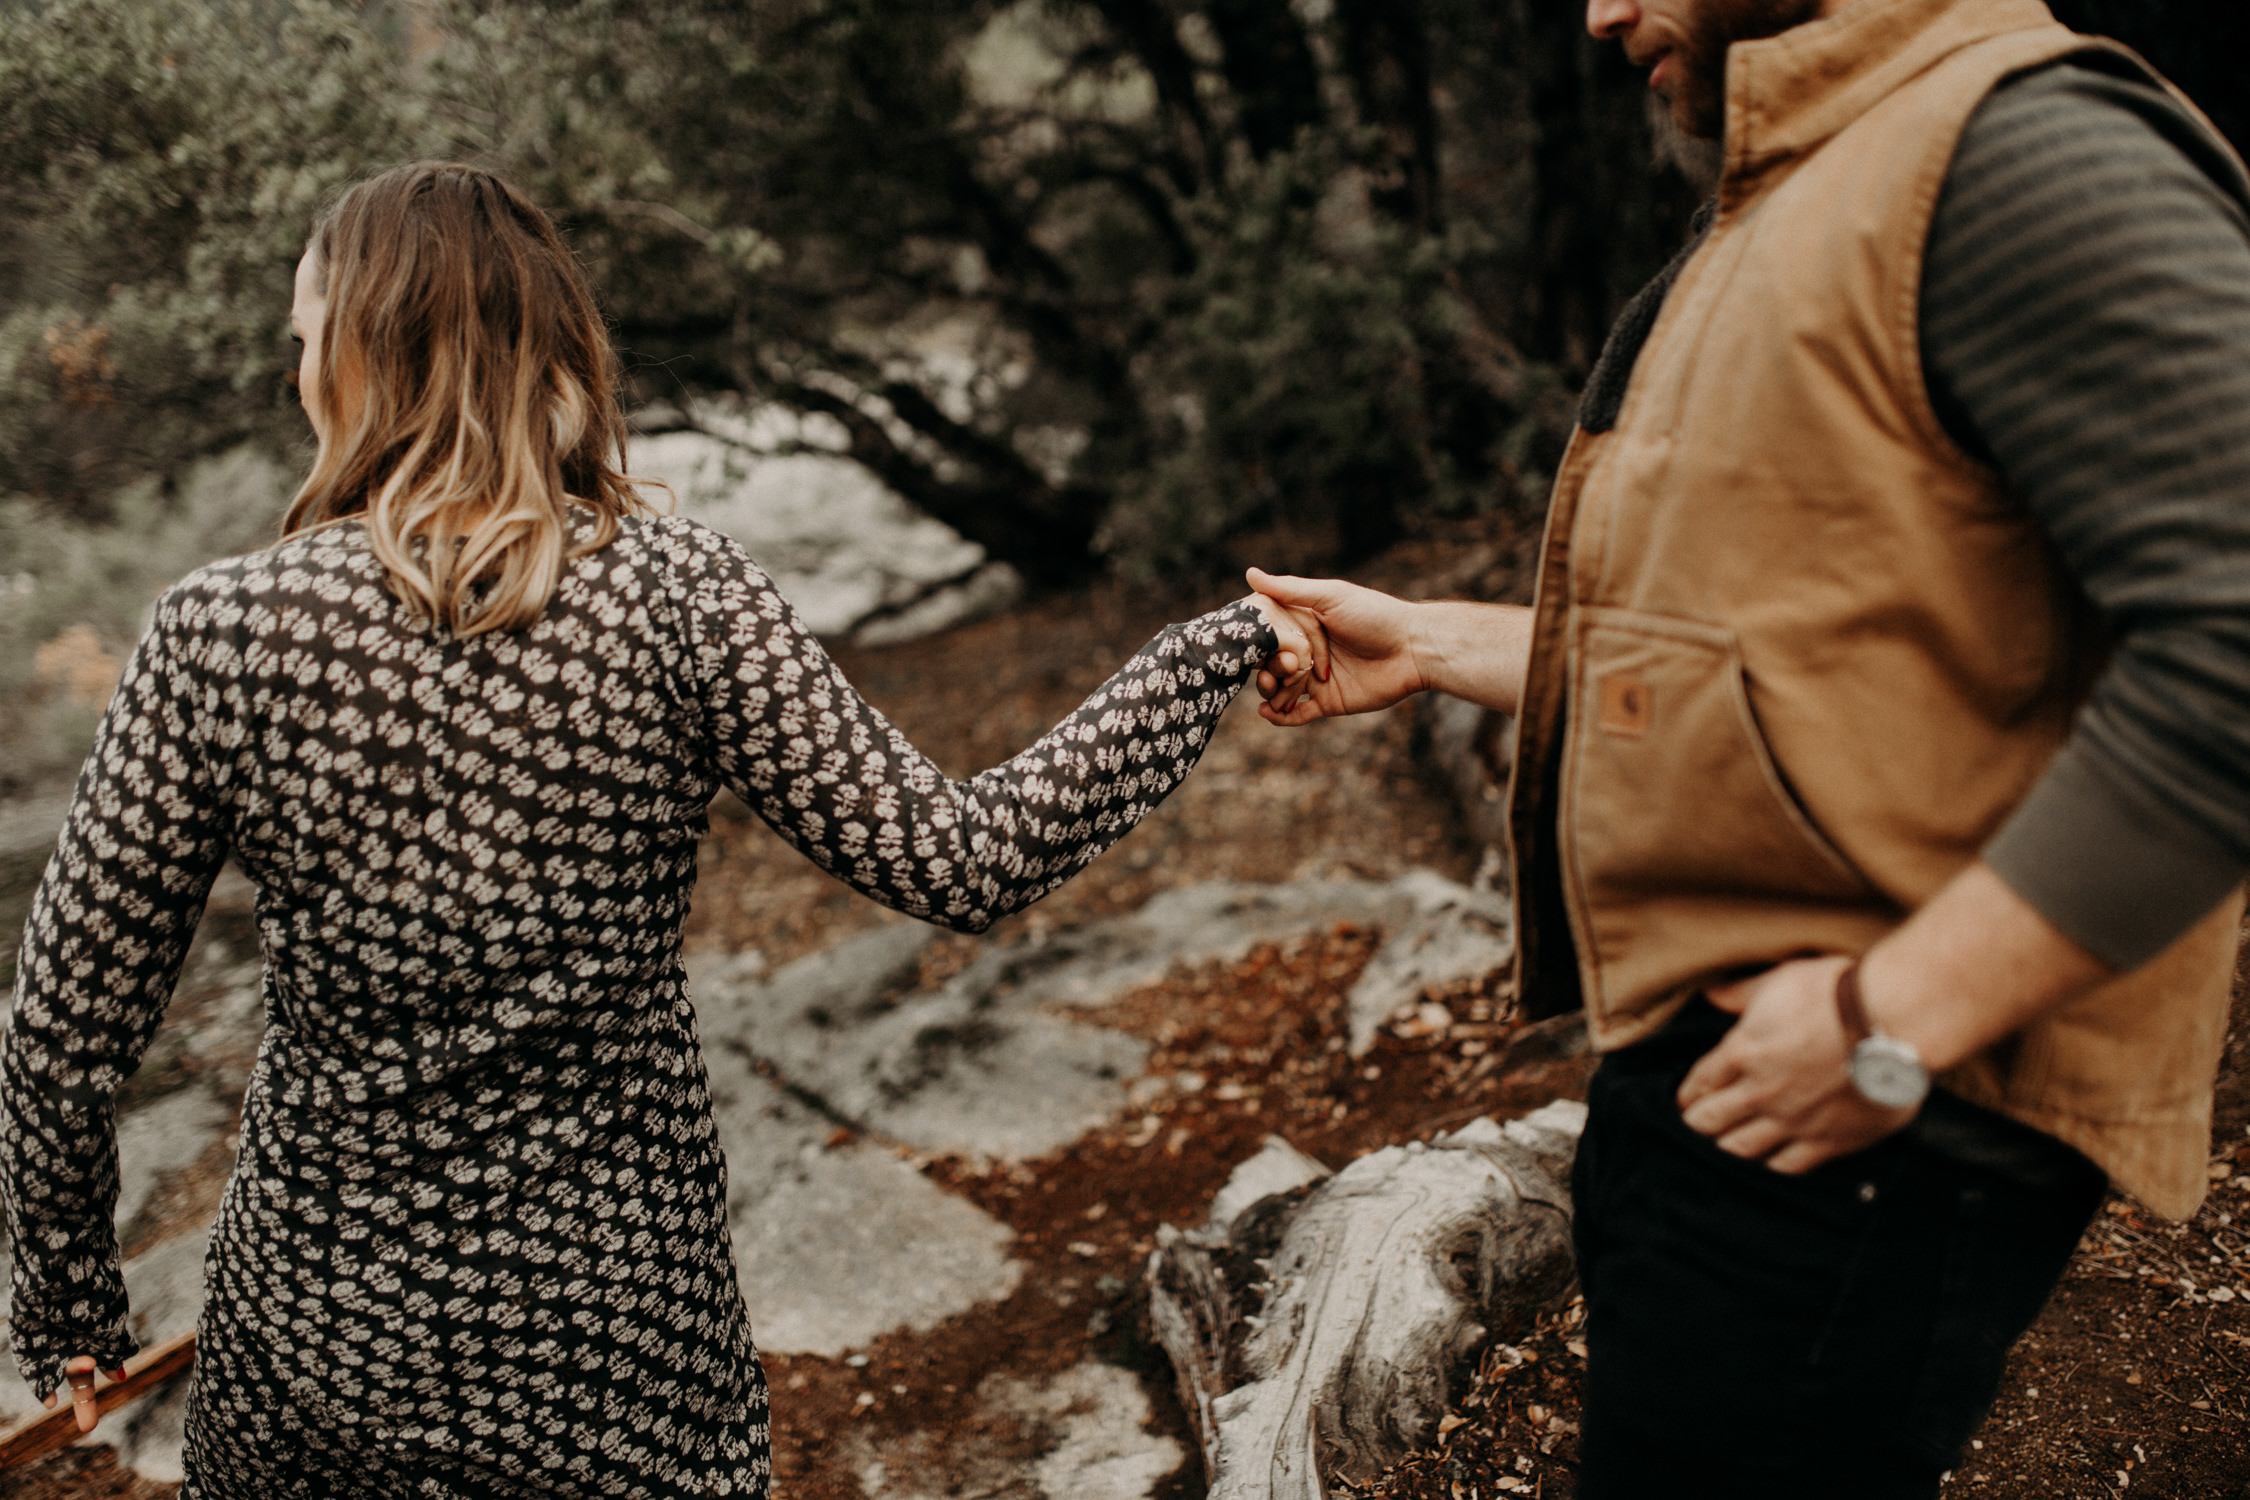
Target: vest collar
1787	95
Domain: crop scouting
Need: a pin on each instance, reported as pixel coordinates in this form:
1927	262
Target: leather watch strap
1851	1006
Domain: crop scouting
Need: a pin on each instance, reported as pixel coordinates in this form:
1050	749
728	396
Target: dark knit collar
1605	388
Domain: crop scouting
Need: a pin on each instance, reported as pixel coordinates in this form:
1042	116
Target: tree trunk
1147	30
1605	214
1270	71
1386	50
1317	1324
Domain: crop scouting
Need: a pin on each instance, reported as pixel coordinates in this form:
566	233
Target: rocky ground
951	1155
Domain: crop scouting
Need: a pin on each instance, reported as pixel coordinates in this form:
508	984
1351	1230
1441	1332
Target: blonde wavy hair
467	393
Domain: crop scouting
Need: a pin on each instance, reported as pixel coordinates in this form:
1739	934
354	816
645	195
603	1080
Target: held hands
1300	652
1775	1089
79	1374
1365	658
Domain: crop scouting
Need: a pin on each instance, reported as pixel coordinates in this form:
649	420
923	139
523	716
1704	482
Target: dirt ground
2135	1381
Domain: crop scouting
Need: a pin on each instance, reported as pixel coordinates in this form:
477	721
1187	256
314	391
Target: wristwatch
1885	1070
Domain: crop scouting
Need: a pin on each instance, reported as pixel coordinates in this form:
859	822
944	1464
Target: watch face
1888	1072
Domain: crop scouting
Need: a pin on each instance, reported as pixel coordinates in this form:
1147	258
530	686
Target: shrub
160	161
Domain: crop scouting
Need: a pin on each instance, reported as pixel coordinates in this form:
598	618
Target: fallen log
38	1436
1318	1322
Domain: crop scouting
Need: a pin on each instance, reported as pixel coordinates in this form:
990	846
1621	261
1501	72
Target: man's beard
1699	88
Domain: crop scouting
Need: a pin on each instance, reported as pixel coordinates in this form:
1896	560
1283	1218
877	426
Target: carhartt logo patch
1628	703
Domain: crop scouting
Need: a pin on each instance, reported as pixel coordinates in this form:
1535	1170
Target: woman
460	727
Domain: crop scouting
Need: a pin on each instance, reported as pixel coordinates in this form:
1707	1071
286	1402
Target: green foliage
159	164
75	595
1076	276
1155	284
1318	366
637	124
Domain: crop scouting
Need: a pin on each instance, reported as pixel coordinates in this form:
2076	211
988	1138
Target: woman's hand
1369	658
1300	656
79	1374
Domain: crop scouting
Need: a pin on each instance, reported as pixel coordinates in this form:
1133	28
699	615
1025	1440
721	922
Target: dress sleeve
798	744
109	928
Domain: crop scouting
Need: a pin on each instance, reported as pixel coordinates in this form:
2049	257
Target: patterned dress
476	1240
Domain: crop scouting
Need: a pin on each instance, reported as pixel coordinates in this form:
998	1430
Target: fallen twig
50	1430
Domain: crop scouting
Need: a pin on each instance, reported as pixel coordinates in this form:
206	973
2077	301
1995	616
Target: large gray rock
990	1064
1471	748
839	1242
815	1066
1453	936
847	551
165	1288
971	1069
167	1136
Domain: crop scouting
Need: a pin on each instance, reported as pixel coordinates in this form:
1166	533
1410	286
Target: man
1884	714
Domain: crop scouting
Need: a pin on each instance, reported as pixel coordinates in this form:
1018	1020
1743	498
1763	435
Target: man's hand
1370	660
79	1375
1775	1089
1380	649
1974	964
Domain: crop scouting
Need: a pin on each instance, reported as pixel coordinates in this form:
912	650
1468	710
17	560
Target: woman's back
458	843
479	1201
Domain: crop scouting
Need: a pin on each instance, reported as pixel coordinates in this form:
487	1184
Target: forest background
1128	292
1217	279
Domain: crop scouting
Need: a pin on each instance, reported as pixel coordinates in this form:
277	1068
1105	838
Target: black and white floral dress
476	1241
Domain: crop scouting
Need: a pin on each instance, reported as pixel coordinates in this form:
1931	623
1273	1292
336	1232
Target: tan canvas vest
1796	656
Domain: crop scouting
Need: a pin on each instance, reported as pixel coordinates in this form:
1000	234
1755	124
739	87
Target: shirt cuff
1242	624
2118	870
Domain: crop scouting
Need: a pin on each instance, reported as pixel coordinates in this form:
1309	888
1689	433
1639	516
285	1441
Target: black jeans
1825	1337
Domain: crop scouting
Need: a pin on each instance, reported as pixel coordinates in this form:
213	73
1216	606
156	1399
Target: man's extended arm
1383	649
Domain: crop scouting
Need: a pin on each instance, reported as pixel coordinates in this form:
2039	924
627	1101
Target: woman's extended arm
832	775
109	928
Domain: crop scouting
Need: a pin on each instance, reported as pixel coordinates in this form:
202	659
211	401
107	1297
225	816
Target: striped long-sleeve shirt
2086	328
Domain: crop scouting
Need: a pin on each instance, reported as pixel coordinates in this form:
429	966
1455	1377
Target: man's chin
1696	118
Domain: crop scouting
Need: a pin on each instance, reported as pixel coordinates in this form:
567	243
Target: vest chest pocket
1670	795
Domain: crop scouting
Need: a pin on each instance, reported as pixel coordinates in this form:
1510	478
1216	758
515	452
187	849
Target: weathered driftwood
1318	1322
